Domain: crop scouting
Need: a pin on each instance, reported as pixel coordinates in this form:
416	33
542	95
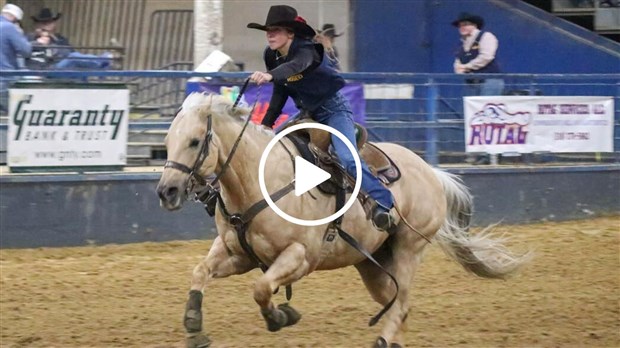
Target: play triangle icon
307	176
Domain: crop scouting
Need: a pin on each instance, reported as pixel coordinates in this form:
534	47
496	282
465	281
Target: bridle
204	151
202	156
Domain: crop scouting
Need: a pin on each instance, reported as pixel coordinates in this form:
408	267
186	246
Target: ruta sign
526	124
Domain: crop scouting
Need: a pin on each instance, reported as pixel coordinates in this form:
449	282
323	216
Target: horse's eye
194	143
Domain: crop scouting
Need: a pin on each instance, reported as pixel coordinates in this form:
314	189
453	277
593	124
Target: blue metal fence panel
436	102
79	209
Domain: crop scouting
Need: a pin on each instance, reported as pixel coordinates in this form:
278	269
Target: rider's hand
260	77
460	68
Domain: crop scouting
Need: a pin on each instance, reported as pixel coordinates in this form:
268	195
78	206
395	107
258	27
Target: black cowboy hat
46	15
468	17
285	16
329	30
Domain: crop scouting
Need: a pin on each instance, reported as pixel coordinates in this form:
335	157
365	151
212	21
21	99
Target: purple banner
354	92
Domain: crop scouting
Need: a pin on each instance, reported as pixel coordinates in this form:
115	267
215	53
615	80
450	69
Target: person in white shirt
477	55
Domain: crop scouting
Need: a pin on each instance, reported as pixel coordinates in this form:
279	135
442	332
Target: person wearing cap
477	54
298	69
51	50
13	44
327	36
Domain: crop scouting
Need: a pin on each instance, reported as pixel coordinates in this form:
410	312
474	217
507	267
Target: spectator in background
327	37
53	51
13	45
477	54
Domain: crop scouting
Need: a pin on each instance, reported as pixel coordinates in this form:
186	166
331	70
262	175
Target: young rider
298	69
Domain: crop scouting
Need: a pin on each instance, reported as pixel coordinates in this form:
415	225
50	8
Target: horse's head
192	146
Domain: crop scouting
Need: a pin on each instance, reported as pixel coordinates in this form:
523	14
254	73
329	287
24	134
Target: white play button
307	176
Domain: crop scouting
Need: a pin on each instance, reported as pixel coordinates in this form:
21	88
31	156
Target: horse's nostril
172	192
167	193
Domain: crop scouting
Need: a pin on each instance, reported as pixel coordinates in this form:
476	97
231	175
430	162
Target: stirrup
383	220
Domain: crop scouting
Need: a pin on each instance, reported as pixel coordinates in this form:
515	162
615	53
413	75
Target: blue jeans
492	87
336	113
488	87
84	61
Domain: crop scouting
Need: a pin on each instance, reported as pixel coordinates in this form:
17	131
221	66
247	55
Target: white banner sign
67	127
532	123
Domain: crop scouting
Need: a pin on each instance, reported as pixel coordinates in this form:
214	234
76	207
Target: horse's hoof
275	319
198	341
292	316
380	343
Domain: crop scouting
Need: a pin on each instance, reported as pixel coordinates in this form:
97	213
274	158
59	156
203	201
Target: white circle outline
292	219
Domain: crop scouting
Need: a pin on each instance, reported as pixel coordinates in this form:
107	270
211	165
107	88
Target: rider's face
278	37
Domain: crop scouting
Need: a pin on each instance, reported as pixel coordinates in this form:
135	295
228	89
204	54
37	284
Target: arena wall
417	36
79	209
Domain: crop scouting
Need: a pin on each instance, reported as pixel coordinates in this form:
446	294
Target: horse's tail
483	253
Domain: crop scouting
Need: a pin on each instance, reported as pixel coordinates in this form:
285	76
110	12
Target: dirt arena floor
134	296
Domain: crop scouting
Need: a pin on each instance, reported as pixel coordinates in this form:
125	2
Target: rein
245	126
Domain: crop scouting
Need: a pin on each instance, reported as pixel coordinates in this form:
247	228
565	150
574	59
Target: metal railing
158	95
53	54
429	122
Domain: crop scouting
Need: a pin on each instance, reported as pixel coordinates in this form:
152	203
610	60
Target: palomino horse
435	203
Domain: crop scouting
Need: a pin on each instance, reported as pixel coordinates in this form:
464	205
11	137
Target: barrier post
431	117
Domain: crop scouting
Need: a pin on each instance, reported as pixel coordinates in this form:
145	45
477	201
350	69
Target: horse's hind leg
288	267
217	264
402	263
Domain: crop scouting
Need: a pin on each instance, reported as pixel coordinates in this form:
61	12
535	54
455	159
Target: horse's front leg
288	267
217	264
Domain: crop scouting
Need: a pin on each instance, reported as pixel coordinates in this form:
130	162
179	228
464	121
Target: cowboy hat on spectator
46	15
329	30
468	17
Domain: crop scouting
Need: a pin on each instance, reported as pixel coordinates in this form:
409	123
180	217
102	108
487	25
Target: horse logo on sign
494	124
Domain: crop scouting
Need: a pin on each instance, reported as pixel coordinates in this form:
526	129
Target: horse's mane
221	108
